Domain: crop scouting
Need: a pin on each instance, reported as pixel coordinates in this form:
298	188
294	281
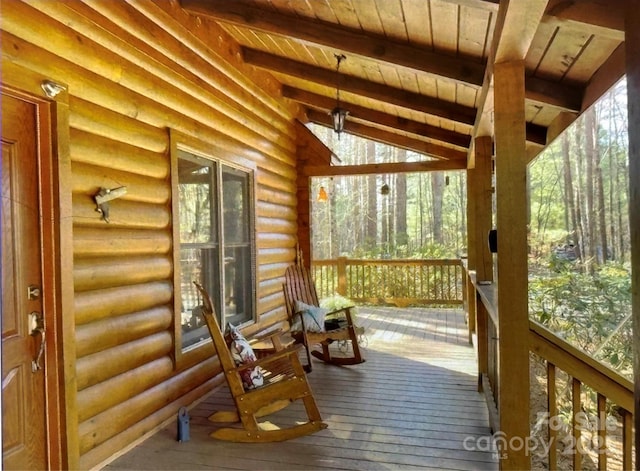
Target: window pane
196	215
235	185
237	246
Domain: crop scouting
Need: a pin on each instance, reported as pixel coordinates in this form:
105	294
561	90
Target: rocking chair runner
299	286
284	382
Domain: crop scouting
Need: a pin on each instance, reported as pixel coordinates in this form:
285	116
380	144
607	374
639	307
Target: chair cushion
242	353
313	317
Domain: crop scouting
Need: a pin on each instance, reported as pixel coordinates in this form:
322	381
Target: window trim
184	357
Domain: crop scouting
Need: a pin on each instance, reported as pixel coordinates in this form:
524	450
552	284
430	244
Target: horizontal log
89	178
113	331
98	367
278	197
93	149
275	211
275	255
136	75
109	393
122	213
275	240
270	295
92	274
275	270
196	33
91	306
109	423
116	128
283	226
94	88
112	241
136	38
277	180
145	427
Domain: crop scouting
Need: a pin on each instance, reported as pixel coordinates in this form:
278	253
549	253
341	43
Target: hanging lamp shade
322	195
338	116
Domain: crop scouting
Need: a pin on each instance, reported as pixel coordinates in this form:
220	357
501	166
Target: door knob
37	330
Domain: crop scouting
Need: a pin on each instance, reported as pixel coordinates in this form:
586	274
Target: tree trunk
437	189
372	201
402	238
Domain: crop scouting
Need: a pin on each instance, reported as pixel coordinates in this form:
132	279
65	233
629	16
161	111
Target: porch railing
402	282
589	406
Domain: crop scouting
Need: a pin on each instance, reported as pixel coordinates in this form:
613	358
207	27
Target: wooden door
23	376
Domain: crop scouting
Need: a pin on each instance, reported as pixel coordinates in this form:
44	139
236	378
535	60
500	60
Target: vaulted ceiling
418	73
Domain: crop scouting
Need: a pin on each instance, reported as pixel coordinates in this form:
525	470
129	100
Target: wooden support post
342	276
511	224
482	201
632	37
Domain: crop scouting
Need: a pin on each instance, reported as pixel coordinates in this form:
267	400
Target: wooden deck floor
409	407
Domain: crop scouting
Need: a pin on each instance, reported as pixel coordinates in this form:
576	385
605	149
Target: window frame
219	156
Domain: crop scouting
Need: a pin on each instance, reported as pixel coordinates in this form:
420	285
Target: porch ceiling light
338	114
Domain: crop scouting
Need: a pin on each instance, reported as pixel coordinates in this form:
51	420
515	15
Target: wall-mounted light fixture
384	189
52	89
104	196
338	114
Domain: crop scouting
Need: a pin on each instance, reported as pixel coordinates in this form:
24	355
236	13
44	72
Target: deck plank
409	407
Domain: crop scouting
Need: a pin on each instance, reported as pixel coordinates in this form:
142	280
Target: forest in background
579	245
579	264
423	215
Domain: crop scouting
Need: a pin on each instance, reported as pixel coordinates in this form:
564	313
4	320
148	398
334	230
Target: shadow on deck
413	405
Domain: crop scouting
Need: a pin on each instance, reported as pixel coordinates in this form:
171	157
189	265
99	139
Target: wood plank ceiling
418	73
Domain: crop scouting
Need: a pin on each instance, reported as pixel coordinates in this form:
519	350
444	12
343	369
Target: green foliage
590	310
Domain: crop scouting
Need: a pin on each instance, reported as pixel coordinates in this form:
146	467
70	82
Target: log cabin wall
135	70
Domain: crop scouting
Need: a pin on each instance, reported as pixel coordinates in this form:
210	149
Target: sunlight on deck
413	405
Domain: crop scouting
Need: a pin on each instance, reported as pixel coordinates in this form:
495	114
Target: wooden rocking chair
284	382
299	286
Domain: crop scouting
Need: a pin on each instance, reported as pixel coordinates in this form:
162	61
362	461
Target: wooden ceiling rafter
604	18
378	117
382	168
377	91
467	71
398	140
341	38
512	36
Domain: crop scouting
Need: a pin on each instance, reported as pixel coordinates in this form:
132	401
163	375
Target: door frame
54	178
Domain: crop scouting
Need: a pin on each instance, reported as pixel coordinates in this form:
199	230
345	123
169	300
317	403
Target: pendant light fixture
338	114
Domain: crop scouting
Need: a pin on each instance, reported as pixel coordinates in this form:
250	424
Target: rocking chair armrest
347	312
274	337
292	350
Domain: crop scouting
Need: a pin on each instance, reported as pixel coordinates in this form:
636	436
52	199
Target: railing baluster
627	440
577	432
602	432
552	407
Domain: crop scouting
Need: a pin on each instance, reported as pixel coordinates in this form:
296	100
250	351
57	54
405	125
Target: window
213	243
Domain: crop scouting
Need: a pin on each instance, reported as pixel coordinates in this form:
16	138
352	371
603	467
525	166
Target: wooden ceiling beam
515	28
488	5
390	138
385	168
378	117
372	47
603	18
344	39
413	101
